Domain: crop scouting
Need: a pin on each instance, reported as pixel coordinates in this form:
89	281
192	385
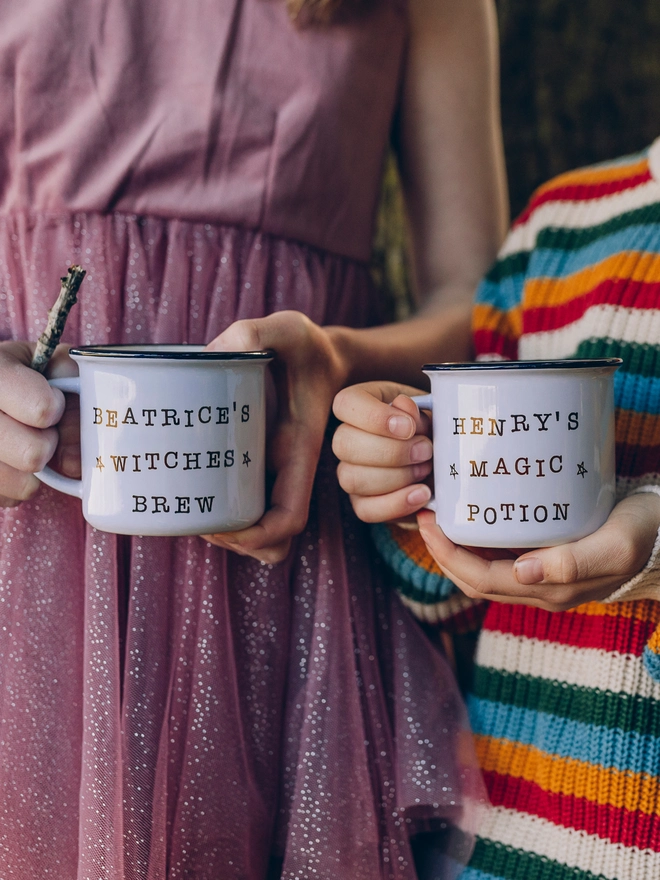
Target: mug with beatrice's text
172	438
523	451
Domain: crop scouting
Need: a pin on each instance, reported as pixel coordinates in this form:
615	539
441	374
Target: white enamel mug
172	438
523	451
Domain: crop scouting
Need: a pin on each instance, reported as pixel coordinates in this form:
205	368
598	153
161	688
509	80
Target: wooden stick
57	318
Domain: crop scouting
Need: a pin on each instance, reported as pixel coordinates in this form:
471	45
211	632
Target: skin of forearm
449	148
397	352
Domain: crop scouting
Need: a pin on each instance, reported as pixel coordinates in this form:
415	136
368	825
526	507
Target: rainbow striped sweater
565	707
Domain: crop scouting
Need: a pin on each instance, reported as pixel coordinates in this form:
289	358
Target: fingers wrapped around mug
383	450
390	506
555	578
307	372
383	409
29	409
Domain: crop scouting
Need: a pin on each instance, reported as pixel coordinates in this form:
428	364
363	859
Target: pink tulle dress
168	709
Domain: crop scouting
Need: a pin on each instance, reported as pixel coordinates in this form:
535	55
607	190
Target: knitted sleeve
431	596
639	586
637	394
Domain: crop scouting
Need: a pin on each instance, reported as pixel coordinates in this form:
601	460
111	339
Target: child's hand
557	578
384	450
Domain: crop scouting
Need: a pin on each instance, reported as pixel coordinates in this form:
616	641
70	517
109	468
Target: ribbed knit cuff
405	553
457	614
651	571
422	586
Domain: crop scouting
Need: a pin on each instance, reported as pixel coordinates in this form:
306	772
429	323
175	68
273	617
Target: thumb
289	333
620	548
245	335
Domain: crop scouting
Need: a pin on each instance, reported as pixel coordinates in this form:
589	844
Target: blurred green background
580	83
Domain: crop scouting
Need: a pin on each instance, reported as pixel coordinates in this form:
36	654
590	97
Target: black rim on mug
167	351
478	366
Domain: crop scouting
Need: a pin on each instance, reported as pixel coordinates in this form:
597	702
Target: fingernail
421	470
528	571
70	463
419	495
400	426
421	451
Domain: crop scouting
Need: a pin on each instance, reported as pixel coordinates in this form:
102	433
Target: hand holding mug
377	470
561	577
307	371
384	450
35	425
523	450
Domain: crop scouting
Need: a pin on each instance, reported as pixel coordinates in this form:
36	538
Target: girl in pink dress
258	705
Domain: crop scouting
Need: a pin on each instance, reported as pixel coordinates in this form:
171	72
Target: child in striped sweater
565	695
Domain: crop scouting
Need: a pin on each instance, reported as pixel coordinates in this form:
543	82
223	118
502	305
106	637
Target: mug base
165	531
510	542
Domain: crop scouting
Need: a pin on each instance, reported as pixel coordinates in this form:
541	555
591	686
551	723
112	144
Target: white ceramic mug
523	451
172	438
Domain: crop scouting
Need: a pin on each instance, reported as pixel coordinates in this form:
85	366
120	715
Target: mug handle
48	476
425	401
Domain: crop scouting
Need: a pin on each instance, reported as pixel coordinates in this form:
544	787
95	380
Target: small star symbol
452	471
246	458
99	462
581	471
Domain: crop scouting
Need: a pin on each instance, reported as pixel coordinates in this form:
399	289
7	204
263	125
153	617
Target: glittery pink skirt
170	710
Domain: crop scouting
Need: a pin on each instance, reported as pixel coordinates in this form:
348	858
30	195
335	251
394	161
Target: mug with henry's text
172	438
523	451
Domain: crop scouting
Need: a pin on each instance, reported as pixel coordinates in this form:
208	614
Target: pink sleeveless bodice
167	709
216	111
